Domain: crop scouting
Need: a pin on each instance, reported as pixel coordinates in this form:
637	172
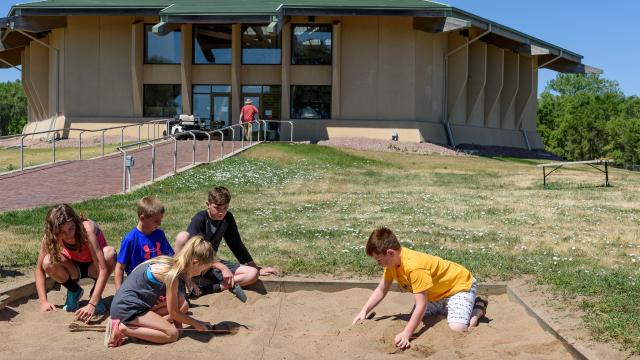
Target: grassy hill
309	209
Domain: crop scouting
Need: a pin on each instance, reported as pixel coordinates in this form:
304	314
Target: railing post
175	155
80	146
22	153
153	162
122	136
53	143
291	136
193	156
233	139
139	135
103	142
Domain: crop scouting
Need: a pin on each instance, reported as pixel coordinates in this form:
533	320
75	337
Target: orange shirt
419	272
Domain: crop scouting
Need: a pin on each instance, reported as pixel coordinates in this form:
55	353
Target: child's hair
196	248
219	195
381	240
56	217
150	206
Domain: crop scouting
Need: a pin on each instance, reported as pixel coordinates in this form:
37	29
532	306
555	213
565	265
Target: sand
292	325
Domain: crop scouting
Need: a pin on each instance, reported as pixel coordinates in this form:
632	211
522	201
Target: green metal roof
218	7
246	10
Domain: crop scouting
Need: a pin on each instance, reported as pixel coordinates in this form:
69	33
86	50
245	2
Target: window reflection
161	100
260	46
310	102
212	44
311	45
165	49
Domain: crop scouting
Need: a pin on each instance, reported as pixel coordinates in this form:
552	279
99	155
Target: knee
110	257
252	275
181	239
53	269
458	327
172	334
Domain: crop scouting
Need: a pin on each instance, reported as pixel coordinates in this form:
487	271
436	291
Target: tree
13	108
583	117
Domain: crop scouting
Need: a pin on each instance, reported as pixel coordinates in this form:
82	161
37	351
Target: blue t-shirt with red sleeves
138	247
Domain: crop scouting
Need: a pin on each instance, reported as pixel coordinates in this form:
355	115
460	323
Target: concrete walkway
74	181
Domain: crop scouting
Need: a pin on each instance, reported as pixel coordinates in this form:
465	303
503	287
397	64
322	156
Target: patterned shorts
457	308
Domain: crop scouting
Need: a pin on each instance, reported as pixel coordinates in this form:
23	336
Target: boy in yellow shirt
439	286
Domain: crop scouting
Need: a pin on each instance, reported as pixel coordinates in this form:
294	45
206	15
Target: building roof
218	11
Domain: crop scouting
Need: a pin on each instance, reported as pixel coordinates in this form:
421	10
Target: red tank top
84	253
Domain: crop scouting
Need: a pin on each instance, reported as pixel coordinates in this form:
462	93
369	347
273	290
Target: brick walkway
75	181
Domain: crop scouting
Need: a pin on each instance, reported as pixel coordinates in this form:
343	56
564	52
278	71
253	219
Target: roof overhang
10	57
432	18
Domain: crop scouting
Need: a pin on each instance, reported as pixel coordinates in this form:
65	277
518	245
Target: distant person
150	305
248	114
72	248
214	224
143	242
439	286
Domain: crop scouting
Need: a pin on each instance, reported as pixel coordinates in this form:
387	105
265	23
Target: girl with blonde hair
151	305
72	248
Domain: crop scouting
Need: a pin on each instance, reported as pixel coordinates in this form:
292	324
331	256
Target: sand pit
288	325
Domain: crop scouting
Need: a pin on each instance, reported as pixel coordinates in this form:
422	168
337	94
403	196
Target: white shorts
457	308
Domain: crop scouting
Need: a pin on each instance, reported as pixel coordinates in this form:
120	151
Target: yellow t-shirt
419	272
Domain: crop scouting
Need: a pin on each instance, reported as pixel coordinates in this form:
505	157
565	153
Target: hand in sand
227	278
202	326
47	306
85	313
403	340
360	317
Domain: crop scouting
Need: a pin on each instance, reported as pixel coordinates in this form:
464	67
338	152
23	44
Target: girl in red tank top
74	247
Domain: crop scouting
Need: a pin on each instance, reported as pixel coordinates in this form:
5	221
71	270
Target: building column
285	86
336	44
236	81
185	66
137	54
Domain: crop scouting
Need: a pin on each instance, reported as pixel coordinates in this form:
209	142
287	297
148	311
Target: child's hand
266	271
202	326
227	277
360	317
403	340
85	313
47	306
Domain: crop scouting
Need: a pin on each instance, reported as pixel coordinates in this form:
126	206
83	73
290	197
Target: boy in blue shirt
143	242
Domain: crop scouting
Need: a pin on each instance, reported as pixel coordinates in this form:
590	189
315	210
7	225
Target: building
338	68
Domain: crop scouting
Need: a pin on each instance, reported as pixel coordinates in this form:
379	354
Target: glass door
220	112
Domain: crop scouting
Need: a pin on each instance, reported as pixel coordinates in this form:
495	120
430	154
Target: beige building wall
386	78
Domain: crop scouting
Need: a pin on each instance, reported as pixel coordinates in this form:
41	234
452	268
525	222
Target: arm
85	313
41	283
174	309
378	294
233	240
403	338
119	275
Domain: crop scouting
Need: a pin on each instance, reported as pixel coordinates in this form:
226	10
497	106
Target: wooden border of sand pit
292	284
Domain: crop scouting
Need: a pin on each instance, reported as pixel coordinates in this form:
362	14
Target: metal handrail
124	159
221	142
280	122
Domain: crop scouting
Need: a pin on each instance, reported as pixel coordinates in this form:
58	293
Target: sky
603	35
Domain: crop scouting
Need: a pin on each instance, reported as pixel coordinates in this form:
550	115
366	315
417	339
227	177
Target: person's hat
248	101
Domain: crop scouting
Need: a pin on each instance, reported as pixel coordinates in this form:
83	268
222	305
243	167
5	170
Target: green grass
309	209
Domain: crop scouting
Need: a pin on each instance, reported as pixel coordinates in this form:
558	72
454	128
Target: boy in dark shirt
214	224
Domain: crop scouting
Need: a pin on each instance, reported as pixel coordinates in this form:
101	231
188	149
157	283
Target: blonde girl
73	248
139	310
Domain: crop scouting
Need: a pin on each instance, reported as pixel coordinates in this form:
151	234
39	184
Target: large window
161	100
310	102
311	45
165	49
212	44
212	104
266	98
259	46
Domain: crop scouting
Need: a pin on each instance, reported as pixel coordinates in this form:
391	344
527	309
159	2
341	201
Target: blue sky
604	33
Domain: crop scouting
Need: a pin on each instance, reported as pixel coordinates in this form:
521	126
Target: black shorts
214	276
83	268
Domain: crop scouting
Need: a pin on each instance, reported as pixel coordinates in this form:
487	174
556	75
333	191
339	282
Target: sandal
113	337
481	304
